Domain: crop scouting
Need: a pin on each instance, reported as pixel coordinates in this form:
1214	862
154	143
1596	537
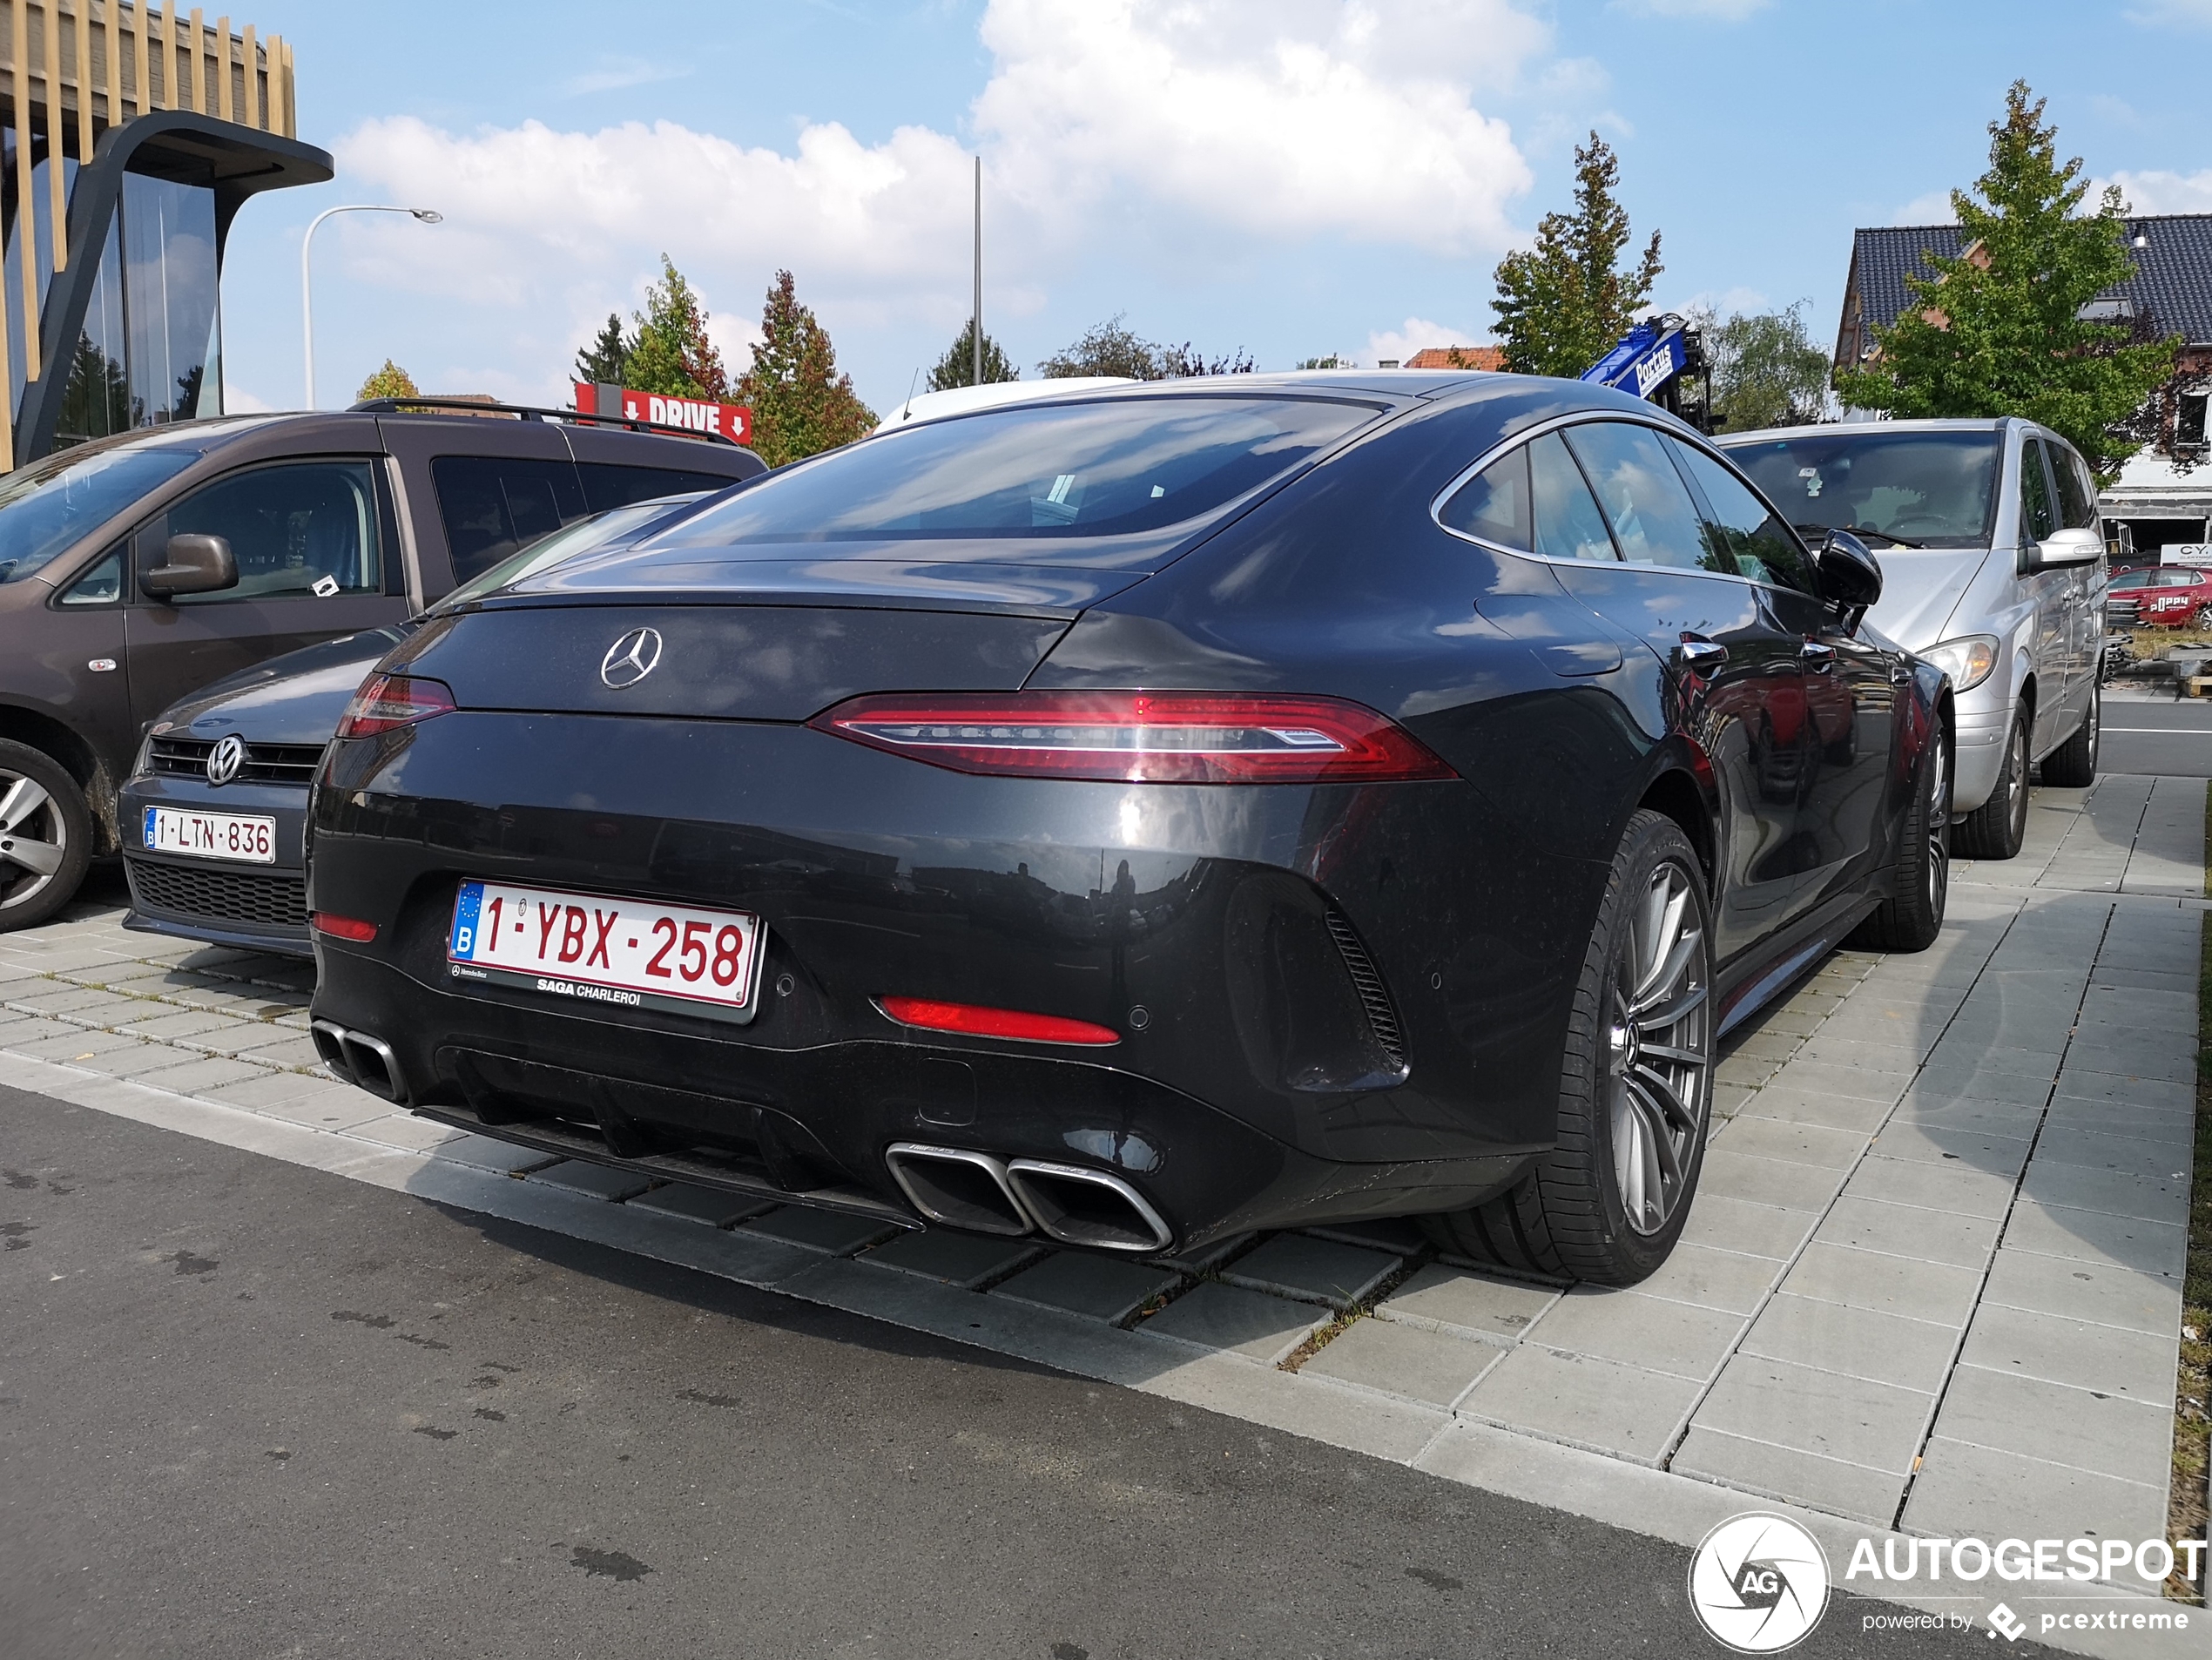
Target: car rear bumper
1252	1084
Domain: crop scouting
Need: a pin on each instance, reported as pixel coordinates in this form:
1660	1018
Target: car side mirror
191	563
2064	548
1847	576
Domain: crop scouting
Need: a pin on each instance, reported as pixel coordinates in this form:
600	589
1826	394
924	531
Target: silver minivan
1992	567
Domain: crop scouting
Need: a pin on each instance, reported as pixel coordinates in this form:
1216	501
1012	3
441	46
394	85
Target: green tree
605	361
1332	361
1766	371
670	353
390	382
1999	330
957	367
802	404
1563	303
1106	349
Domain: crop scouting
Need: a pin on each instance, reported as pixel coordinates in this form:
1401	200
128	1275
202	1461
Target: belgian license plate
248	838
624	953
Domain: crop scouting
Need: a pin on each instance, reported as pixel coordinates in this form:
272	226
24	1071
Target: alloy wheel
1658	1048
34	839
1938	859
2016	782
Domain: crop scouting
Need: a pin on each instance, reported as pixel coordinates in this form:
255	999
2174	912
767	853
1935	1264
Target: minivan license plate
624	953
248	838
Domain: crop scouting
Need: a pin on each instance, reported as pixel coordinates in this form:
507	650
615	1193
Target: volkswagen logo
631	658
225	759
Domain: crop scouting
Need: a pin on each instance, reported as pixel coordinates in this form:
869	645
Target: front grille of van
265	763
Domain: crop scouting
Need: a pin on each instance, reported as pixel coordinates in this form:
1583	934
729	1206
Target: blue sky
1288	177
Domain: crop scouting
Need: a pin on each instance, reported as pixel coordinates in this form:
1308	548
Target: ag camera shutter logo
1759	1583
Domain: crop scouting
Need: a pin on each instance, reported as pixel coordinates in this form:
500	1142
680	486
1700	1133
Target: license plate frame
258	829
612	988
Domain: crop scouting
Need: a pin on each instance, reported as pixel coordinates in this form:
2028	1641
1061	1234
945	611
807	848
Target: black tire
1570	1218
46	836
1911	916
2073	764
1996	828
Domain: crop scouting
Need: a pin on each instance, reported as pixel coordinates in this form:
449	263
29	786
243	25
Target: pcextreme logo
1759	1583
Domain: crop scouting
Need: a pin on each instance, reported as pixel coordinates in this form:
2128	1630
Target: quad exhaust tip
1072	1203
959	1189
1080	1206
356	1058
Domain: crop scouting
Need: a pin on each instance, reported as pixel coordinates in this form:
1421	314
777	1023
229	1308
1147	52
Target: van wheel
1911	916
1996	828
1607	1202
46	836
2073	764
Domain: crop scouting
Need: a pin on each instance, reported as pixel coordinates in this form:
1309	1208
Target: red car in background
2161	596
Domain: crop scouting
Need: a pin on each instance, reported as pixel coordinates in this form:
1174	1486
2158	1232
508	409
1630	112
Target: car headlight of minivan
1967	660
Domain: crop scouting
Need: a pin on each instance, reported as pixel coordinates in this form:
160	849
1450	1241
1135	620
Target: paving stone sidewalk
1932	1279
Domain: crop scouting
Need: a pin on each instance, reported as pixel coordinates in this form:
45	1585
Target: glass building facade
160	127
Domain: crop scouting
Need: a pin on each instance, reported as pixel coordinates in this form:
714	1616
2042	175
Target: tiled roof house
1471	357
2171	293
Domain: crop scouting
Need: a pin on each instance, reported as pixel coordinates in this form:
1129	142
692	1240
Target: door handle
1700	655
1817	655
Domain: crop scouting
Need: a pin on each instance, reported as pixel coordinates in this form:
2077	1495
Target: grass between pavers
2185	1501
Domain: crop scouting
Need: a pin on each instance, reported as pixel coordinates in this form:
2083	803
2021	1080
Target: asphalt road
249	1409
2173	738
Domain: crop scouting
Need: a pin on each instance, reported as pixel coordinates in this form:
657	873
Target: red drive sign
732	421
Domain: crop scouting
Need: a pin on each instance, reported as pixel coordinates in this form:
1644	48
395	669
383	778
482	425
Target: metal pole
428	216
978	321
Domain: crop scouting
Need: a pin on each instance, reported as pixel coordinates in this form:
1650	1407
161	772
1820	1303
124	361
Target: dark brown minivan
139	569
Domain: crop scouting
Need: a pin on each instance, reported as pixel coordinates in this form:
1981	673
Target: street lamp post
428	216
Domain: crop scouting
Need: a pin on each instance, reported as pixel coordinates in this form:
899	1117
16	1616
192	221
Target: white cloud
1932	208
1416	335
238	400
2162	192
2188	14
1278	117
614	74
1208	124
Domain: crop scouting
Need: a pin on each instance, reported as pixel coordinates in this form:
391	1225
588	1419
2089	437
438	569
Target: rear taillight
388	701
973	1021
1140	736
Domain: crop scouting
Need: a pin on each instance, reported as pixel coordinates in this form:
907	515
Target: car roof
1834	429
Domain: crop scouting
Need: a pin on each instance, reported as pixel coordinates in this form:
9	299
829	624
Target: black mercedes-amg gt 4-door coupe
1143	815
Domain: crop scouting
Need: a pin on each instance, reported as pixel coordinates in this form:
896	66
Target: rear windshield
1937	489
1051	472
45	510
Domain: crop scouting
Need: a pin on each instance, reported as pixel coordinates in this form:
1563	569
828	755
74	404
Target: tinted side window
1568	524
1645	501
1741	527
492	505
2077	496
1493	505
300	528
607	485
2038	516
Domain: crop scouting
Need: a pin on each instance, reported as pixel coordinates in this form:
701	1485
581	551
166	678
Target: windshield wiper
1864	529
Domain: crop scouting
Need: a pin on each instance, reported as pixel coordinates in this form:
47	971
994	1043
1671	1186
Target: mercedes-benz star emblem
225	759
631	658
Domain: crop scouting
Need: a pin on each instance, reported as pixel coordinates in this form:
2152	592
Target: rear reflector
973	1022
344	927
387	702
1140	736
